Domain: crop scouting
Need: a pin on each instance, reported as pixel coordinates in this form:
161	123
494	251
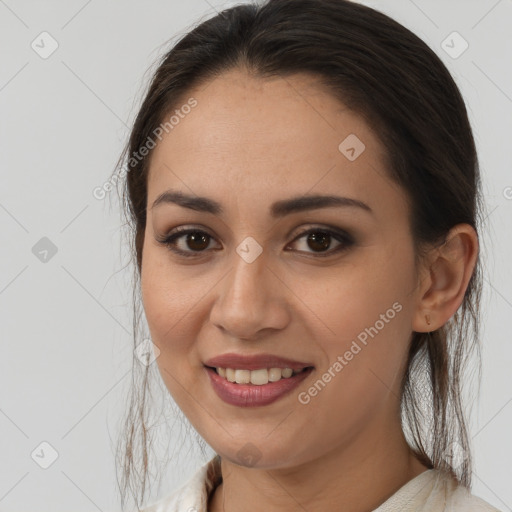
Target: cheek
352	298
368	311
364	359
167	302
170	316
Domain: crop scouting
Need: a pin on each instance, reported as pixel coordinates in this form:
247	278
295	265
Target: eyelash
344	238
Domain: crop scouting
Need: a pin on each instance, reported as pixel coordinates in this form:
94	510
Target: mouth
254	380
267	362
257	377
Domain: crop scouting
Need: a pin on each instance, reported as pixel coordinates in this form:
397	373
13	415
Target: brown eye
317	241
197	241
187	242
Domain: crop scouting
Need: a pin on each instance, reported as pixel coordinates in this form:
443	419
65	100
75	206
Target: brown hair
384	72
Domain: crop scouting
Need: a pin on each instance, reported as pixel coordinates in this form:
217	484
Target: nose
251	300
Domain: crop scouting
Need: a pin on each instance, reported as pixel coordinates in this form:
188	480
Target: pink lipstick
257	380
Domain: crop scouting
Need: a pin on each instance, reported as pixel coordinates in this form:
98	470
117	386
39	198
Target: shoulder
456	497
462	500
193	496
434	491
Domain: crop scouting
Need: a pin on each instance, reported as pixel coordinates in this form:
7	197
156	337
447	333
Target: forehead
258	138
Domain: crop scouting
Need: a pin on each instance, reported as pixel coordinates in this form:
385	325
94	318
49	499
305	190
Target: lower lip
251	395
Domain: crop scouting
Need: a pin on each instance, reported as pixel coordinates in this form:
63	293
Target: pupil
197	238
319	241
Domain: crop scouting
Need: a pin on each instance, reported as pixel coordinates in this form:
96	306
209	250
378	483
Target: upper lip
254	362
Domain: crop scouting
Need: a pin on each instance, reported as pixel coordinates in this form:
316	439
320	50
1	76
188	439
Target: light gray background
65	324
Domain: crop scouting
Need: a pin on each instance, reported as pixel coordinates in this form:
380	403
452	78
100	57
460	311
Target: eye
190	242
187	241
321	239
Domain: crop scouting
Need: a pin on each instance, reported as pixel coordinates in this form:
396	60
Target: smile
256	377
248	394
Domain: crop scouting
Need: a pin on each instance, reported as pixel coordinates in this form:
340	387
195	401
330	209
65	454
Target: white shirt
430	491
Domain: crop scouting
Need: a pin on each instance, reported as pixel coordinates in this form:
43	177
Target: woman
304	193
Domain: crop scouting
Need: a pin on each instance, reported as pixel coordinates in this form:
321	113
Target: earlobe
450	268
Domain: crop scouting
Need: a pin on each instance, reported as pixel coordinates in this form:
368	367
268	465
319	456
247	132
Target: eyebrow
277	209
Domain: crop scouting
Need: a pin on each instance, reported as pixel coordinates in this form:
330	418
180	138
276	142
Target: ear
445	278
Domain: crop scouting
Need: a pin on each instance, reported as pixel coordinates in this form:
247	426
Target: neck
358	477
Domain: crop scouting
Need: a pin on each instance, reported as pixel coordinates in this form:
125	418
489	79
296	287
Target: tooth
256	377
274	374
259	377
243	376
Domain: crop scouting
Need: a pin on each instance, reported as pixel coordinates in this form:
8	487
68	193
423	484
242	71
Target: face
328	285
